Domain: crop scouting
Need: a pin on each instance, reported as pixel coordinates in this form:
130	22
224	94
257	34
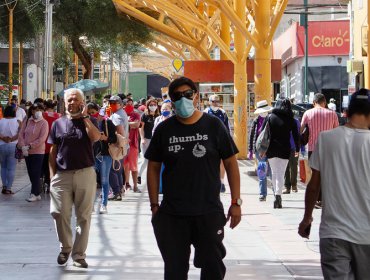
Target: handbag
305	171
263	140
305	135
18	154
117	150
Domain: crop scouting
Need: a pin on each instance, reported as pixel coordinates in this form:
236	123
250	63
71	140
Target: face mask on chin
96	115
184	107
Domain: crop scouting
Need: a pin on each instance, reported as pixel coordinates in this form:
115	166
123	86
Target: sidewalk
264	246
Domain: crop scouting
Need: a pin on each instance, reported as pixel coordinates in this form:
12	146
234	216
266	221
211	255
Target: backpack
263	140
117	150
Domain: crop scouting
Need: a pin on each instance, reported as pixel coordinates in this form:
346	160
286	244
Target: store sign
15	89
326	38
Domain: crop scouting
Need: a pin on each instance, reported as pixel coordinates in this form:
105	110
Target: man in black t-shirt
191	146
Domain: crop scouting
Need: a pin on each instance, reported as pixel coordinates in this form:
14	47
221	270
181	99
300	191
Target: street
122	245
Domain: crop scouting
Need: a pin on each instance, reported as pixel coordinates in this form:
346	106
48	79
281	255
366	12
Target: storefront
328	52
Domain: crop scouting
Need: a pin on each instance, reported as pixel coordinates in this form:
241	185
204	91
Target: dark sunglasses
178	94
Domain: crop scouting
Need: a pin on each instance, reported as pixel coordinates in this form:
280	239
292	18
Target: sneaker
139	180
116	197
137	190
81	263
223	189
110	195
295	189
33	198
62	258
103	209
318	205
262	198
286	191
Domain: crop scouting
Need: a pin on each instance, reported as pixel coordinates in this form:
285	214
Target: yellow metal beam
161	27
158	50
278	13
240	84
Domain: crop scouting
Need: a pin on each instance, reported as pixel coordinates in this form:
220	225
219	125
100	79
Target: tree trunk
83	55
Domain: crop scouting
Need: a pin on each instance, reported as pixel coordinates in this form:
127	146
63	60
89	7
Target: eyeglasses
215	101
178	94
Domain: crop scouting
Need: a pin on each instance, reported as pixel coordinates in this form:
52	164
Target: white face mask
152	108
38	115
214	108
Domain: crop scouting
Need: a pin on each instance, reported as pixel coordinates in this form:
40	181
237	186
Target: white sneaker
103	209
33	198
110	195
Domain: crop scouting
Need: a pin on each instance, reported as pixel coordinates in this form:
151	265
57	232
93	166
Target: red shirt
318	119
50	117
142	108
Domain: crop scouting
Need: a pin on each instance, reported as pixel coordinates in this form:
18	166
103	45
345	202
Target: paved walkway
264	246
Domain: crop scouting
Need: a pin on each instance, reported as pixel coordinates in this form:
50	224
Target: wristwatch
86	117
237	201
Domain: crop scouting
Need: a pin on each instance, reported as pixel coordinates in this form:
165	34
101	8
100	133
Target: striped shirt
318	119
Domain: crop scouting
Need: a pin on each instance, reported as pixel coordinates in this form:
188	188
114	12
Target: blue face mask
13	105
166	113
184	107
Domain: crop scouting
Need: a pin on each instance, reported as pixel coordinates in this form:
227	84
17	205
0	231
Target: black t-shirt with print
148	121
191	155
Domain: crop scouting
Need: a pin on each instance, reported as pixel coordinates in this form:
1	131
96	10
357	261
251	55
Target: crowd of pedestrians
187	151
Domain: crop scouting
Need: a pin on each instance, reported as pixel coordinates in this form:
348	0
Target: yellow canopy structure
198	26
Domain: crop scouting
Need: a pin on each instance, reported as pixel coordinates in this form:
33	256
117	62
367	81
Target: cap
115	98
262	107
214	97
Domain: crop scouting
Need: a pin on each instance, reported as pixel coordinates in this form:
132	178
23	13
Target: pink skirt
131	159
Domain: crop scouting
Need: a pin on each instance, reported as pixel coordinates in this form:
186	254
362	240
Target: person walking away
318	119
290	177
282	123
261	111
20	113
220	113
120	120
191	146
146	128
103	160
31	140
9	129
73	178
130	162
332	106
50	116
340	168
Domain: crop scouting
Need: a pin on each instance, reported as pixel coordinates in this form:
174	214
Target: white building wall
292	78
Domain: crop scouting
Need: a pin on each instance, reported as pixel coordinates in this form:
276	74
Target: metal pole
92	66
306	51
10	63
49	49
76	68
111	73
20	71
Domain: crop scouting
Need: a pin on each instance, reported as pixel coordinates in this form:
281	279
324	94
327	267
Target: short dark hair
122	95
50	104
178	82
359	103
9	112
107	96
319	98
93	105
38	100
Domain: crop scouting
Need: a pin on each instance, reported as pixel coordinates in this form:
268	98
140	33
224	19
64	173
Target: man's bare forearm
153	174
233	176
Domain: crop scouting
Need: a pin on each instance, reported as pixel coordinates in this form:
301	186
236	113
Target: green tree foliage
95	20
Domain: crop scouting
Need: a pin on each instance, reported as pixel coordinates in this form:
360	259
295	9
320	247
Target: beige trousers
70	188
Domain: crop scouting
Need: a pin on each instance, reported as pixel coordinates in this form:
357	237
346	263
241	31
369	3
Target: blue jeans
262	182
116	179
103	167
34	168
8	164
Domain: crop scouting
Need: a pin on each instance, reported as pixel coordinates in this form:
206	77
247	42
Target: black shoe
287	191
277	202
262	198
139	180
81	263
62	258
223	189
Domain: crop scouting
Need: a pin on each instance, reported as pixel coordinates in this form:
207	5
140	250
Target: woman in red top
50	116
130	162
